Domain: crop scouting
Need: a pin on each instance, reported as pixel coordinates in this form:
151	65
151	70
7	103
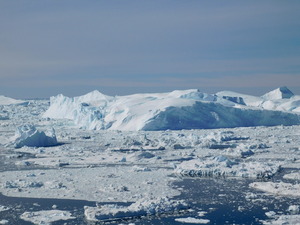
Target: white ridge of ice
187	109
10	101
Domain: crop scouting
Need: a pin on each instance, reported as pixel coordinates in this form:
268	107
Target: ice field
166	158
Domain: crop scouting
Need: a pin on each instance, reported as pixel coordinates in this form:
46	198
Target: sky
122	47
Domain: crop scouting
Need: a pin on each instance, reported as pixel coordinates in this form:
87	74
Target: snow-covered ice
3	208
192	220
278	188
143	207
46	217
284	219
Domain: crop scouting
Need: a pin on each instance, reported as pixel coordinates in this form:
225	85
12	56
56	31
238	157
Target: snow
186	109
28	135
192	220
46	217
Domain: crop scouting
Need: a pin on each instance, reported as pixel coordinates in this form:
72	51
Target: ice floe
192	220
219	166
46	217
278	188
143	207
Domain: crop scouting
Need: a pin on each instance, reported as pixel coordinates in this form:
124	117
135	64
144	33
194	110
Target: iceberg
28	135
176	110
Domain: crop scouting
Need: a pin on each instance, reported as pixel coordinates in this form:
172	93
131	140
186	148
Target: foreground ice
104	184
46	217
142	207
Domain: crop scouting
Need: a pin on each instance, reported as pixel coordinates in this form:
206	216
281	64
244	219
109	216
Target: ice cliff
186	109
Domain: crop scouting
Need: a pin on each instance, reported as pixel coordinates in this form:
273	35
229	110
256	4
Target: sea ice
292	176
3	208
192	220
142	207
223	166
46	217
278	188
284	219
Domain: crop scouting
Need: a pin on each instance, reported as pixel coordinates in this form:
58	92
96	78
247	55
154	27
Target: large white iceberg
28	135
187	109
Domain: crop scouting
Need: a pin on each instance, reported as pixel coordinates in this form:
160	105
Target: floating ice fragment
28	135
143	207
46	217
192	220
3	208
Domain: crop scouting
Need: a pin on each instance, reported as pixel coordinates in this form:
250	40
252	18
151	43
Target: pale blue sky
121	47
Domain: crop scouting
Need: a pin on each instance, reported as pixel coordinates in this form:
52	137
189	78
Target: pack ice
186	109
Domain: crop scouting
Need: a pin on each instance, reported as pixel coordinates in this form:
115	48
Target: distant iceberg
180	109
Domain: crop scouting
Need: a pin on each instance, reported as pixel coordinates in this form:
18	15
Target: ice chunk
46	217
142	207
3	208
28	135
223	166
294	209
192	220
284	219
281	188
